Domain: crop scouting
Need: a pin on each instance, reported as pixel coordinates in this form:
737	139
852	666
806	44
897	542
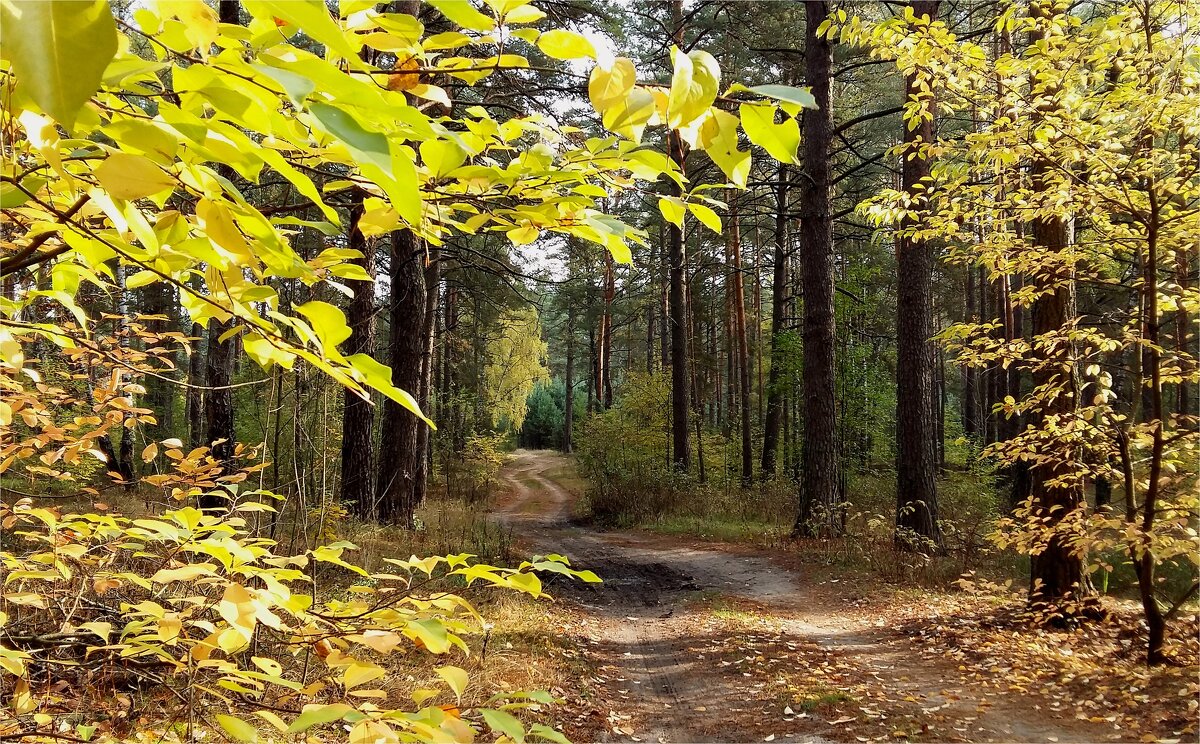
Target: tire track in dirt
649	632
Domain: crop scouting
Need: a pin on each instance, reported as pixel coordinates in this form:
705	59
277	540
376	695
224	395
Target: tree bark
916	409
1056	573
743	350
194	398
970	403
399	463
433	280
569	383
677	294
774	414
358	413
222	355
604	379
820	490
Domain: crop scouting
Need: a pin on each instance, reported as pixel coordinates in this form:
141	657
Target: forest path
715	643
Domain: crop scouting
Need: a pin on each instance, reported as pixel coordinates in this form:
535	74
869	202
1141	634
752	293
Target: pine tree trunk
569	383
1056	573
400	450
358	413
820	490
680	322
677	308
970	400
916	407
604	382
774	413
158	300
222	355
743	351
433	280
194	398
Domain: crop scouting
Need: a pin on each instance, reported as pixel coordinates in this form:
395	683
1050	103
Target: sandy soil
668	667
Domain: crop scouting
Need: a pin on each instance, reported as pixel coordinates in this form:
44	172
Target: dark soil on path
692	643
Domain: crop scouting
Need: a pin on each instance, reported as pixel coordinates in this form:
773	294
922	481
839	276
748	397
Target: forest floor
699	641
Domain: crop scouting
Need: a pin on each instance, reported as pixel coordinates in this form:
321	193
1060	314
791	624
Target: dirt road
705	644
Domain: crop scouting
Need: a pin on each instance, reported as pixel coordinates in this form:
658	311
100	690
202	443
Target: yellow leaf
132	176
523	235
218	224
359	673
707	217
463	14
562	44
22	700
170	627
672	210
237	607
189	572
455	677
694	85
150	452
379	640
609	87
524	14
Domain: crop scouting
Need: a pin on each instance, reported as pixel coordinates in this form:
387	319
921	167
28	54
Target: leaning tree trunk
916	426
820	490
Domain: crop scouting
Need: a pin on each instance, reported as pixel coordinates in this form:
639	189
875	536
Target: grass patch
820	698
718	527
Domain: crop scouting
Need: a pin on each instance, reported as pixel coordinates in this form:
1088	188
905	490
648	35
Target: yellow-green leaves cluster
227	623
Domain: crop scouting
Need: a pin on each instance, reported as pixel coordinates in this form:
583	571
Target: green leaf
11	196
59	51
503	723
366	146
707	217
237	729
562	44
779	140
297	86
455	677
318	714
542	731
464	15
394	172
432	633
132	176
791	94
